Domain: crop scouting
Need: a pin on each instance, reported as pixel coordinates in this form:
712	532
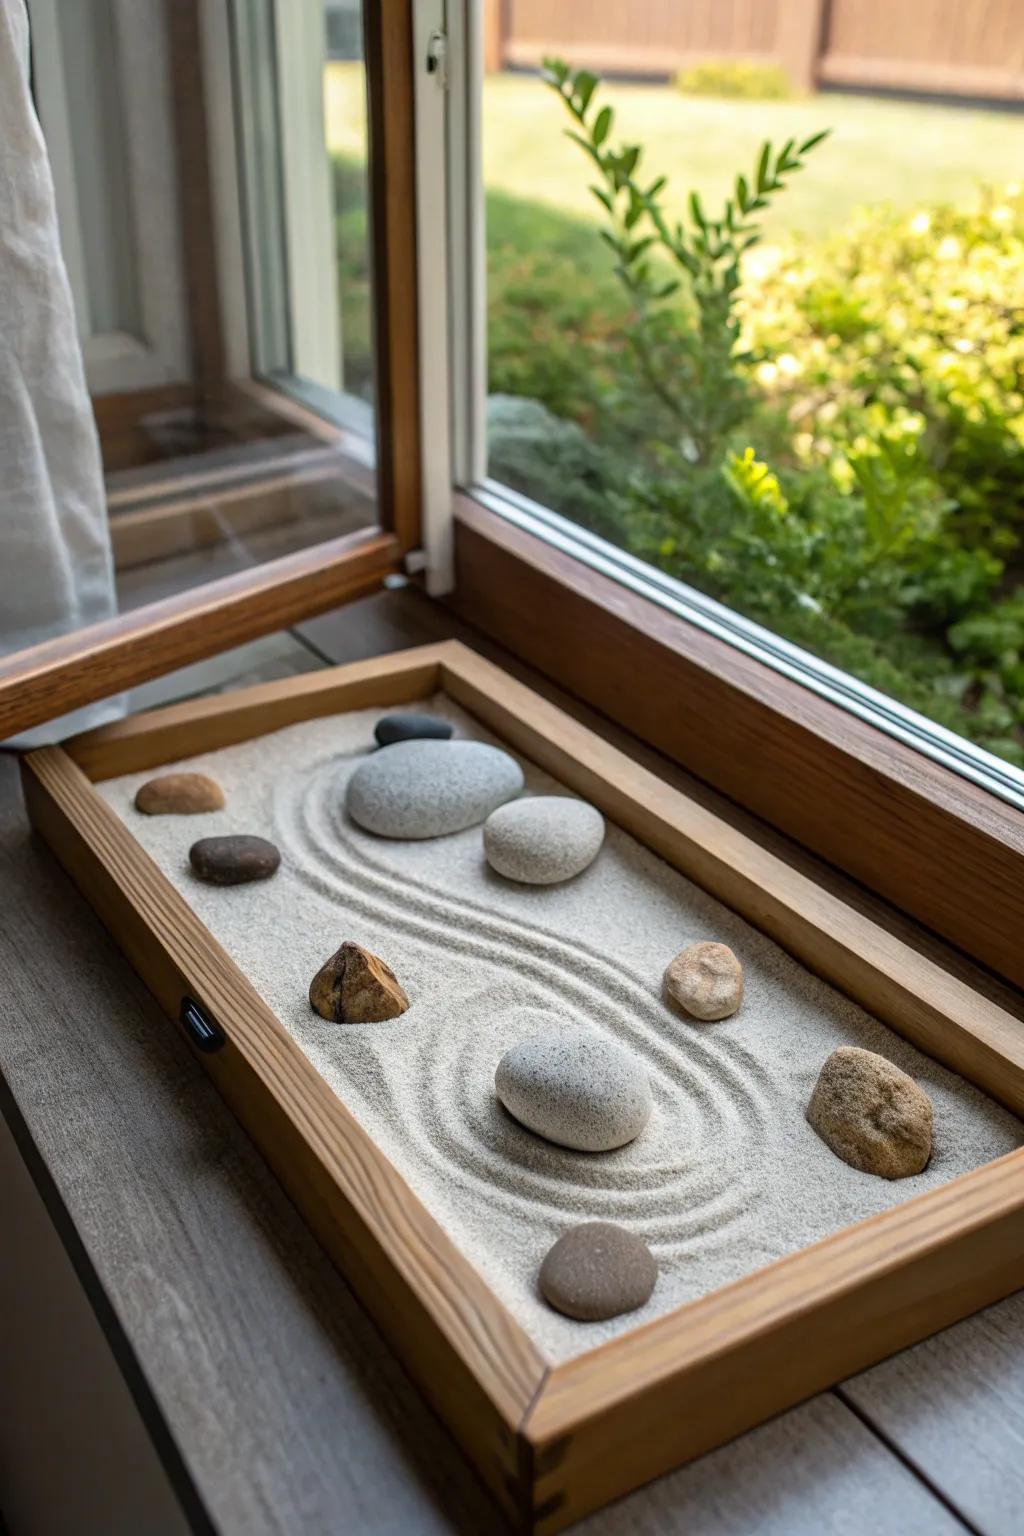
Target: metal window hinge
437	58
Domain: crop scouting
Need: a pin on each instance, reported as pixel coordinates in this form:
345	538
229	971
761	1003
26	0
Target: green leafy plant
689	361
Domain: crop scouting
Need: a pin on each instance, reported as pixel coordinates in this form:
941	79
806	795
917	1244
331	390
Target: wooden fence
967	48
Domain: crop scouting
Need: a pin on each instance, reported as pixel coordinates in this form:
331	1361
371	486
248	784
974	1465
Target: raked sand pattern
727	1175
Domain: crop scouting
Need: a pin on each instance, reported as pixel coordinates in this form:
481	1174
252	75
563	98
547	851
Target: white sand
727	1175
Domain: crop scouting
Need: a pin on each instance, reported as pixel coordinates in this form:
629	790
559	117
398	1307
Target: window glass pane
303	124
786	370
218	262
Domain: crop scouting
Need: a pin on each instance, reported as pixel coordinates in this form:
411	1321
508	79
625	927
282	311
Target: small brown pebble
598	1270
706	980
355	987
179	794
233	860
871	1114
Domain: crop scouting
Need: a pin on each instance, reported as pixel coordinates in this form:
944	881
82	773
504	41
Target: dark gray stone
598	1270
234	859
392	728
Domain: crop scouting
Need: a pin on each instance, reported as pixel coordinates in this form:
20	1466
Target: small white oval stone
542	840
427	788
576	1088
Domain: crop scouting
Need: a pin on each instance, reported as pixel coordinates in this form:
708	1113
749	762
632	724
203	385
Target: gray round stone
542	840
420	789
392	728
234	859
598	1270
576	1088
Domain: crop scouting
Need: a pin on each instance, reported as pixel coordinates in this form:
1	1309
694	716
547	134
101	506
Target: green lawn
906	153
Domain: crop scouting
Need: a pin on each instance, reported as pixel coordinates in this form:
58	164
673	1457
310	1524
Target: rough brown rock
597	1270
179	794
355	987
706	980
871	1114
233	860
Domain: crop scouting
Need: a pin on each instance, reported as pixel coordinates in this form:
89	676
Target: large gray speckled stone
576	1088
542	840
425	788
597	1270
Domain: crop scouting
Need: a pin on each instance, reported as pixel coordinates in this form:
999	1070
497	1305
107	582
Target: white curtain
56	570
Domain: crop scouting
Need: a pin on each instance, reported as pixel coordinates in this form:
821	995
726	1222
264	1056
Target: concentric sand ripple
692	1171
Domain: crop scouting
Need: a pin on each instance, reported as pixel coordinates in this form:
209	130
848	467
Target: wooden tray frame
554	1442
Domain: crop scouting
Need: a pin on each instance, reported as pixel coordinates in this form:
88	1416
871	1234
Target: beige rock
706	980
179	794
355	987
871	1114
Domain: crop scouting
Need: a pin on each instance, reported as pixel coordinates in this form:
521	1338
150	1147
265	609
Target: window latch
437	58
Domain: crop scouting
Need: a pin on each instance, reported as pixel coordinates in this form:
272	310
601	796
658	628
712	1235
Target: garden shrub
743	79
553	462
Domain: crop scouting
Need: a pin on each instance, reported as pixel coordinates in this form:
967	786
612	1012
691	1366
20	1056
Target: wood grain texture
938	1011
92	663
248	1356
812	1472
554	1444
955	1406
392	164
290	1412
710	1370
110	1476
469	1357
883	813
202	725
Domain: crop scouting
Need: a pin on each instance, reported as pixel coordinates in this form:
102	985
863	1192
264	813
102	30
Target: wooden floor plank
811	1472
955	1407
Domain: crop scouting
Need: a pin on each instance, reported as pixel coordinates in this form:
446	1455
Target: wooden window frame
938	847
930	842
100	660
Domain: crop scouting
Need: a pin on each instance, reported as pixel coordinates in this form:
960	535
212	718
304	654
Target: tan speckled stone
871	1114
179	794
355	987
597	1270
706	980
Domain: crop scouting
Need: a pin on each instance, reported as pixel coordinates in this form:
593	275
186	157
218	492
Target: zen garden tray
781	1269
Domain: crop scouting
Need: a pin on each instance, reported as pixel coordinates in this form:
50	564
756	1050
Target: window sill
928	840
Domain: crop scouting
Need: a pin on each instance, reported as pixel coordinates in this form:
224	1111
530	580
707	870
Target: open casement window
916	812
234	190
914	790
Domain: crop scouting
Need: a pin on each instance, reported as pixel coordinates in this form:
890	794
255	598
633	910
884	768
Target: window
210	169
303	115
780	390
